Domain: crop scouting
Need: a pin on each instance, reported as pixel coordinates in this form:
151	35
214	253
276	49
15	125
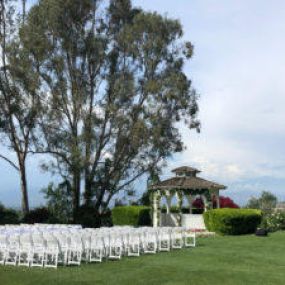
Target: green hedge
8	216
232	221
131	215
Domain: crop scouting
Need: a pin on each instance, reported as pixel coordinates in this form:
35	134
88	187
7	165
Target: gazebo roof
186	182
185	169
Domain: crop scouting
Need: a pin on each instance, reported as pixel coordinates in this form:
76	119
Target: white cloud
238	68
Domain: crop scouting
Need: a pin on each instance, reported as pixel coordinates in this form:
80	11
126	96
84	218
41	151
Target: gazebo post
190	201
179	197
154	209
205	202
168	198
218	198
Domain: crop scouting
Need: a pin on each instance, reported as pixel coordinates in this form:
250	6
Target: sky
238	69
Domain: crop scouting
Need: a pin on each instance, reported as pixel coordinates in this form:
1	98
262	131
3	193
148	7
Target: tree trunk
24	186
87	137
88	189
87	178
76	193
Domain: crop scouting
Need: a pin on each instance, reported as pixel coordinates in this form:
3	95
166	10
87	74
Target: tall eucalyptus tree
116	91
19	94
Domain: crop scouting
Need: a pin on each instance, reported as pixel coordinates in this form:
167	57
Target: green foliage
8	216
145	199
273	221
89	217
131	215
228	221
138	58
39	215
20	93
59	201
266	202
145	217
253	203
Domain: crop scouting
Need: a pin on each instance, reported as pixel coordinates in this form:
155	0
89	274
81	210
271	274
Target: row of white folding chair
111	243
126	242
130	242
176	237
24	250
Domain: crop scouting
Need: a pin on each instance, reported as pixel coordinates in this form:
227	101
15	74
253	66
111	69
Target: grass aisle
239	260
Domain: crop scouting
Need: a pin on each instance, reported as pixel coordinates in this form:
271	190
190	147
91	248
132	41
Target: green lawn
221	260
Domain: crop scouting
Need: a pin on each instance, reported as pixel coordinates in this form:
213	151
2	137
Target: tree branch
10	162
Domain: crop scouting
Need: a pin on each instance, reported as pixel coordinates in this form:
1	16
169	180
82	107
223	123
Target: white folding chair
163	239
133	244
150	241
38	250
25	250
3	248
115	246
189	238
96	252
12	252
51	251
74	251
86	245
63	244
177	238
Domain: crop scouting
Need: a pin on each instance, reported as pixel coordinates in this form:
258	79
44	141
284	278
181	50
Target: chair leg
192	242
24	258
96	255
134	250
164	245
115	252
2	255
51	259
37	259
74	257
12	257
150	247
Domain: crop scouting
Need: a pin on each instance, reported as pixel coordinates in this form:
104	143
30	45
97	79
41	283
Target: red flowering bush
225	202
198	203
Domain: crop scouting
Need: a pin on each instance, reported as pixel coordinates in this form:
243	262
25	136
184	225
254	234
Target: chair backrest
3	240
38	240
25	239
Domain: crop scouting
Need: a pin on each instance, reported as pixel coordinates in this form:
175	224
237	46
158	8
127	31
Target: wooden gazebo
184	184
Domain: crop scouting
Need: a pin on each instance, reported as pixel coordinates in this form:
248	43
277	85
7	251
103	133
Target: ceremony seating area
44	245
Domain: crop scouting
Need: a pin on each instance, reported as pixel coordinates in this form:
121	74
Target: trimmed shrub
38	215
106	219
145	217
232	221
88	217
8	216
131	215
